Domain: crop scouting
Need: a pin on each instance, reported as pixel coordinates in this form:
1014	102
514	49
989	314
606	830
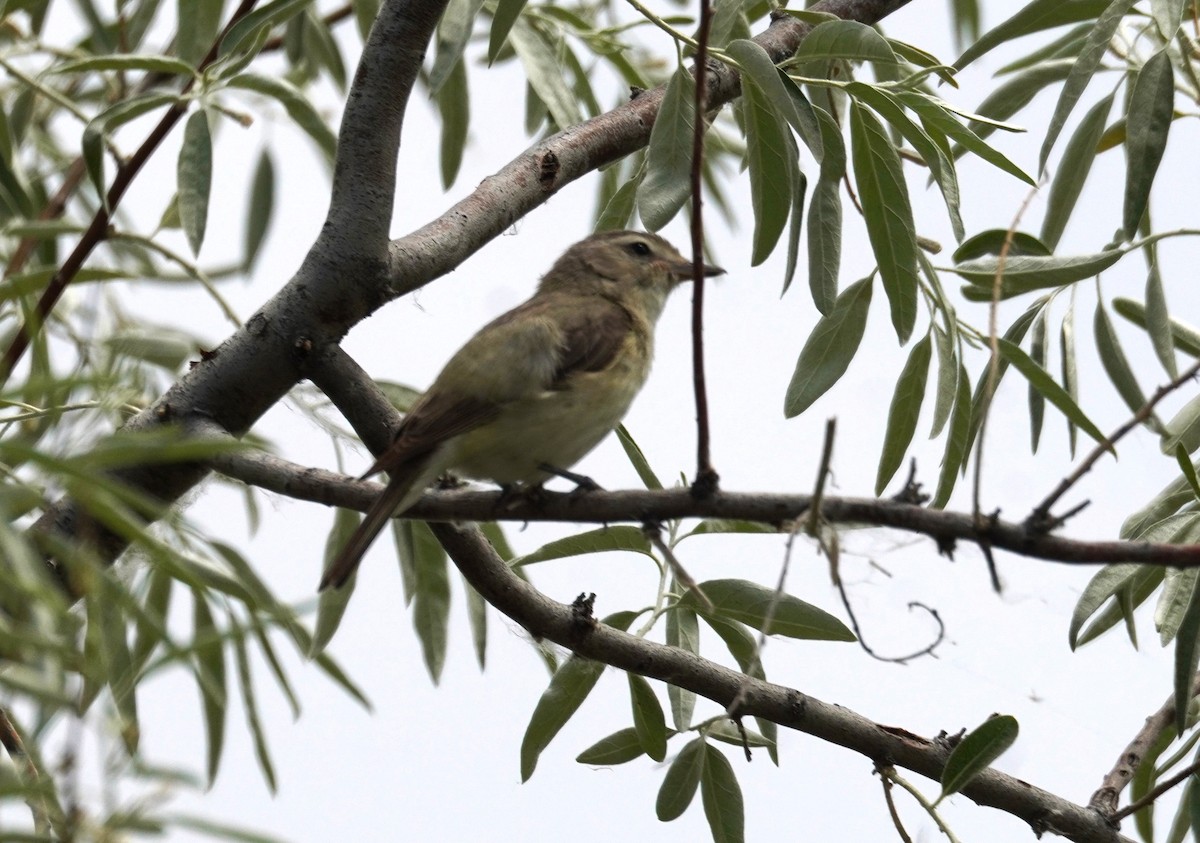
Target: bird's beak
682	270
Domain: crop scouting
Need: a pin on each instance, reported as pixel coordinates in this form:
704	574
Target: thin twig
706	475
891	773
1041	513
885	779
814	514
653	532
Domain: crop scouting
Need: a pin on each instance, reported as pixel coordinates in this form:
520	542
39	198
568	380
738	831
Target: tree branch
637	506
545	618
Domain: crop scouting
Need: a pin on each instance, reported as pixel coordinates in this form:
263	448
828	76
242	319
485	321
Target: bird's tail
404	487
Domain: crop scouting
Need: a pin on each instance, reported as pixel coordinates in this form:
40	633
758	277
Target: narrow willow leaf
1054	393
1039	352
795	226
321	48
1073	171
722	798
844	39
431	598
453	101
199	24
1183	430
263	18
829	349
127	62
617	213
1106	583
998	241
1187	657
884	195
262	751
947	381
1167	16
109	121
772	159
958	440
1070	369
1183	337
365	12
568	688
1188	470
1150	108
638	459
332	602
904	412
976	751
618	748
680	783
210	667
683	631
1025	273
935	156
1173	599
648	720
667	184
939	121
750	603
825	218
1123	606
1034	17
1018	91
1159	324
1116	365
543	68
593	541
454	31
1085	66
506	14
262	206
295	103
195	178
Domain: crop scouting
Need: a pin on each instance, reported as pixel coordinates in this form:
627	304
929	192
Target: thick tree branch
638	506
545	618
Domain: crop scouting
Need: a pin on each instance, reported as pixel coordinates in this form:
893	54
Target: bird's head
633	266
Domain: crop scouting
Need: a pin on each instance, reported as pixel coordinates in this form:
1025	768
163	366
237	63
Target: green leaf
620	537
997	241
1173	599
619	209
109	121
1151	104
262	751
454	31
936	157
1055	394
904	412
648	720
750	603
1183	337
884	197
1159	324
844	39
1070	372
199	25
825	218
640	464
365	12
1183	430
976	751
683	632
1116	365
569	687
1037	16
958	440
1039	353
126	62
1025	273
1167	16
543	69
618	748
722	798
263	18
477	620
1085	66
1187	658
947	381
454	107
210	667
772	159
667	183
1073	171
295	103
431	598
680	783
938	120
506	14
195	178
1107	582
1188	470
331	604
829	349
262	205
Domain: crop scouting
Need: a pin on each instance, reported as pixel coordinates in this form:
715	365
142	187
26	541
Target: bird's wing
592	342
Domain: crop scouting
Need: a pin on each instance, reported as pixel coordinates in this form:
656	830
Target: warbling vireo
538	387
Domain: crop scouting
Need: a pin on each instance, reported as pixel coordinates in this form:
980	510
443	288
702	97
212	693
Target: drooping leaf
1055	394
506	14
722	798
618	748
890	227
262	206
1037	16
454	107
825	218
648	720
772	158
904	412
976	751
1073	171
680	783
829	349
1159	324
667	184
1151	105
195	178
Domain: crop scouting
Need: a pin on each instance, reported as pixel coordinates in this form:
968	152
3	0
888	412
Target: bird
538	387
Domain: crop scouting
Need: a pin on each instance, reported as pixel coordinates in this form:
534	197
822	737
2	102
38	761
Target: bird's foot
583	483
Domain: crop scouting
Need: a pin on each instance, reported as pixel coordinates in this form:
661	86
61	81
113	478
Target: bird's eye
639	248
